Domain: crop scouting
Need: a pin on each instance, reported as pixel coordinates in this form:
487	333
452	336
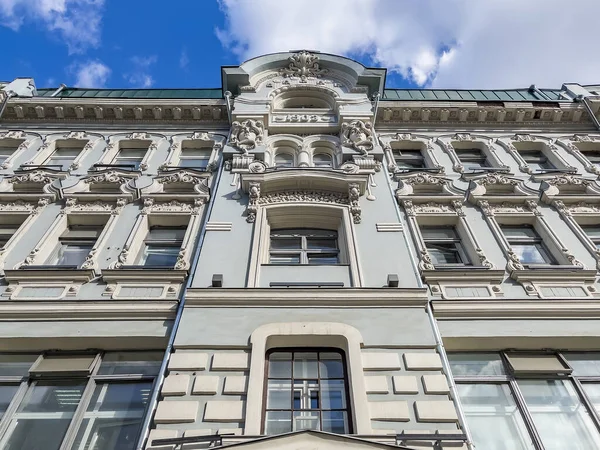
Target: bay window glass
162	246
306	389
304	246
551	408
88	410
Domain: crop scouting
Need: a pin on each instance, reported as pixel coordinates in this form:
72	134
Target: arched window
306	389
322	160
284	160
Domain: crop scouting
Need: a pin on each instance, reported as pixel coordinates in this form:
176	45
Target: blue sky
183	43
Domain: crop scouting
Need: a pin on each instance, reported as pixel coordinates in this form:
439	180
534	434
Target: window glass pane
305	365
132	153
193	163
584	364
44	416
283	258
166	234
321	244
322	160
72	255
199	153
592	390
284	160
335	422
16	365
306	420
333	394
469	364
113	417
279	243
277	422
139	363
280	365
331	365
279	394
306	394
593	231
160	256
323	258
438	233
7	392
443	253
520	232
530	253
559	416
493	417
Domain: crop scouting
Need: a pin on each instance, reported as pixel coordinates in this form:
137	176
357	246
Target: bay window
530	401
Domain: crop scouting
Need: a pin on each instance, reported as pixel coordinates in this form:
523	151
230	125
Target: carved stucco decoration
496	179
298	196
303	64
576	208
358	135
180	177
407	184
246	135
109	177
34	176
174	206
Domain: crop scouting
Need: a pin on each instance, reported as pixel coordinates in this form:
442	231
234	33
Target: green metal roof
511	95
215	93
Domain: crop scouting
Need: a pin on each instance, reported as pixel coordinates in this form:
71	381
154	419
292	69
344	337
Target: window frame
456	241
303	250
466	141
407	141
17	140
536	241
318	350
89	382
195	140
138	140
73	140
522	142
510	379
160	244
576	144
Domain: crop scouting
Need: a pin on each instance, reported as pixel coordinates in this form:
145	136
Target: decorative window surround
20	211
171	213
183	185
149	141
17	140
107	184
424	184
526	212
310	209
576	212
304	186
466	141
305	334
496	187
404	141
89	213
568	187
512	144
194	140
75	139
31	185
578	145
447	211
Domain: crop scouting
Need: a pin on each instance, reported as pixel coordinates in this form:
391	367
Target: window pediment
183	184
31	183
424	183
497	187
103	184
568	187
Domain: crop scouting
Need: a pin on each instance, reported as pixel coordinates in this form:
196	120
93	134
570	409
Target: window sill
49	273
463	274
305	265
143	273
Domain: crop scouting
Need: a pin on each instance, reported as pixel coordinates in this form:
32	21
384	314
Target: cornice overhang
457	114
304	179
302	297
127	111
65	310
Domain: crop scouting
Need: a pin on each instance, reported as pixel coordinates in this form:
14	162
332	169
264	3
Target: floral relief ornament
303	64
246	135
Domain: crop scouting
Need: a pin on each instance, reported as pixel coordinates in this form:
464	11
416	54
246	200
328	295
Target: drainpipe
436	331
588	108
9	95
163	367
376	96
59	90
229	107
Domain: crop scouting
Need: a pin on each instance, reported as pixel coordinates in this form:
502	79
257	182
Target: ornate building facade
301	258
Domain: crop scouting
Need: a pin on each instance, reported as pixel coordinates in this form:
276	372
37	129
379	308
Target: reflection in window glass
559	416
493	417
7	392
465	364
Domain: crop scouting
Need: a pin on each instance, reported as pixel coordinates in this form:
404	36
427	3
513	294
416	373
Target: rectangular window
130	158
161	246
74	245
527	244
536	160
62	158
304	246
593	157
194	158
472	158
409	159
496	401
444	246
56	409
306	389
593	233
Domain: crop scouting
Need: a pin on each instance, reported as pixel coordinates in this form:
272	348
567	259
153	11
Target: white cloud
91	74
139	76
450	43
184	60
76	22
